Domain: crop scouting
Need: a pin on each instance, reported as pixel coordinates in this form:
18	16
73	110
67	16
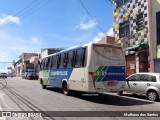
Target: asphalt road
28	95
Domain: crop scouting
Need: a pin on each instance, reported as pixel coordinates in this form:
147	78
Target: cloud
4	70
98	37
9	18
101	35
86	24
35	39
11	46
67	41
110	32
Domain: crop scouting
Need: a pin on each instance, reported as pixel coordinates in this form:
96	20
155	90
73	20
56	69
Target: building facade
136	29
107	39
23	63
48	51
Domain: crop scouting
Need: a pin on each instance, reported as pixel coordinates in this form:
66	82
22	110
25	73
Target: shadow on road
136	96
107	99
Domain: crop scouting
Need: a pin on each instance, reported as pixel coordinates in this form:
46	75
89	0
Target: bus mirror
39	62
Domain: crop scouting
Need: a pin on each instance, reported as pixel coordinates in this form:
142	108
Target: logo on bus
104	73
62	73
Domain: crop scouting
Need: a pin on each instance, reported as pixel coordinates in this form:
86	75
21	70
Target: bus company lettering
107	73
63	73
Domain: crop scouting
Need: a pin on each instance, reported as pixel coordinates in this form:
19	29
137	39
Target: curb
2	118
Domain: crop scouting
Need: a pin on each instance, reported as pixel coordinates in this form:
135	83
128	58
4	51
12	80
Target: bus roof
66	50
77	47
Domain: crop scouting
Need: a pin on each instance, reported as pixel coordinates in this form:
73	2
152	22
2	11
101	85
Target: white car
147	84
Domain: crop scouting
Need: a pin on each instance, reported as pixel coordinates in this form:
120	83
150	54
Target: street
28	95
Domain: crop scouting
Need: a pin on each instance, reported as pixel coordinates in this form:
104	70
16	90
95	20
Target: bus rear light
92	74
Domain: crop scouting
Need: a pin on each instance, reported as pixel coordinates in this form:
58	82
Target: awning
135	47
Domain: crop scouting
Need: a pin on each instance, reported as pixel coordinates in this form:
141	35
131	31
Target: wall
107	39
155	7
129	12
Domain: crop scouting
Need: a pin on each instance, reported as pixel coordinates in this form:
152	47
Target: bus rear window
109	52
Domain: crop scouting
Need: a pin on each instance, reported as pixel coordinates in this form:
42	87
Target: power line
26	7
38	6
23	14
91	16
5	62
8	24
108	3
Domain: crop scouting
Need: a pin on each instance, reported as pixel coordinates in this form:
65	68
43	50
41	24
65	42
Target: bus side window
65	60
78	58
51	62
83	64
41	65
74	61
58	58
70	59
45	64
54	62
62	61
48	64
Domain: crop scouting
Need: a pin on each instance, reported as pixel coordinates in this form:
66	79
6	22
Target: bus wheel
43	86
65	88
119	92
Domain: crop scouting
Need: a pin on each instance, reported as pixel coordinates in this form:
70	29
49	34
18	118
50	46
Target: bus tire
119	92
43	86
65	88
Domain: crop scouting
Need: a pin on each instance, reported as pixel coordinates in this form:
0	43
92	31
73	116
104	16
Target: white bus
92	67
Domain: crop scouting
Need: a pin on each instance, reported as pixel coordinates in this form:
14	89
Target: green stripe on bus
98	70
104	73
101	75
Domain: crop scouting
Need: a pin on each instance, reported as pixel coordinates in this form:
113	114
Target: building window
158	27
121	2
140	22
124	29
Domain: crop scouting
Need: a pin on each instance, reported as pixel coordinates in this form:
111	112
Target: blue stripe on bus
56	76
114	73
67	50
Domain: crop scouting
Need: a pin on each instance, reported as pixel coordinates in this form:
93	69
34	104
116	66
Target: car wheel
119	92
152	95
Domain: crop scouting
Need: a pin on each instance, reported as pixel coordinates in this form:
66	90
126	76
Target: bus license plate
111	83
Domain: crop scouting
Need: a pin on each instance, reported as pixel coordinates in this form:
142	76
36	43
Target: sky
30	25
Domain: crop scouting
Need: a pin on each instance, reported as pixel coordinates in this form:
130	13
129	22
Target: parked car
147	84
11	75
32	75
24	75
3	75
